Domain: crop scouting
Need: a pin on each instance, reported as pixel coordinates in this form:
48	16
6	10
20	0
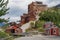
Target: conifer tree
3	9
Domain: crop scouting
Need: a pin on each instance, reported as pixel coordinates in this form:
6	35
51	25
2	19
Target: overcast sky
18	7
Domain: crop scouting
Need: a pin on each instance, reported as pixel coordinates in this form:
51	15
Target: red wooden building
13	28
51	29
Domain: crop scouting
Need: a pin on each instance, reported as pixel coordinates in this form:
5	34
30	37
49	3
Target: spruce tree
3	9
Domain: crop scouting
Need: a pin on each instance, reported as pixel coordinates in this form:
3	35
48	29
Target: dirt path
39	37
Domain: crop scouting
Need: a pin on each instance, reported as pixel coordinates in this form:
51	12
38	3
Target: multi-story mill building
33	10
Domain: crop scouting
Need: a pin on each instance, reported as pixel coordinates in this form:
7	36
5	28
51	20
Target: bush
29	29
5	36
32	24
41	30
39	24
52	15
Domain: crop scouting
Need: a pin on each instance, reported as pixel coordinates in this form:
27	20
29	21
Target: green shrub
39	24
41	30
32	24
3	34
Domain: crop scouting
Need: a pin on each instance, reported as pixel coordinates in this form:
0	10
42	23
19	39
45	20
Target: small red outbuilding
51	29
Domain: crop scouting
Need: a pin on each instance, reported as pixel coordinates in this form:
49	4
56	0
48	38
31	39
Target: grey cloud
15	11
52	3
18	11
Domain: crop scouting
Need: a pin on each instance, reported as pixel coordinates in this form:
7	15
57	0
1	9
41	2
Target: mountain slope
58	6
